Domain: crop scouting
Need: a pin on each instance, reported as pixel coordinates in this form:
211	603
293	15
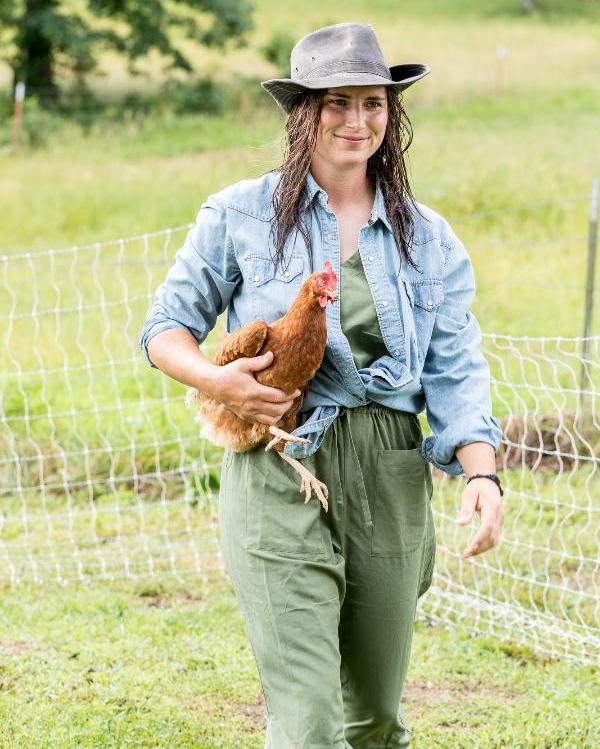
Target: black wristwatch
492	476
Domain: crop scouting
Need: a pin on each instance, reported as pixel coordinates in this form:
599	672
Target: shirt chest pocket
273	290
425	297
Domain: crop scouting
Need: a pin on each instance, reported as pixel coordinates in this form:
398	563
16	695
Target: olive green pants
329	599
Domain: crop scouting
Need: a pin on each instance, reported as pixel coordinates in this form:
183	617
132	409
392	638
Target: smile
350	139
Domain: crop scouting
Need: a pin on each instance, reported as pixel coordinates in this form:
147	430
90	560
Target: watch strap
492	476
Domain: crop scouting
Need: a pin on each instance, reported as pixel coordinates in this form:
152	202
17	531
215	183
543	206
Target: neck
343	186
304	312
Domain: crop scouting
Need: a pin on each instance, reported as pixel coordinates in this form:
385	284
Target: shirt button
370	257
396	352
385	303
257	278
429	304
286	274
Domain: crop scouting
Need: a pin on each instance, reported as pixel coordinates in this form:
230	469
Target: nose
355	115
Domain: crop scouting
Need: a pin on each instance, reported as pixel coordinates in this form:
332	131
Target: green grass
160	665
132	665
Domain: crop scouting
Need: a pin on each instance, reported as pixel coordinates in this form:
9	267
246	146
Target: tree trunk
528	5
35	62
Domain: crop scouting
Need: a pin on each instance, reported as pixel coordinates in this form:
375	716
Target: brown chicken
297	341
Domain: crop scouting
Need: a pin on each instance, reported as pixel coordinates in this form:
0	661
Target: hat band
347	66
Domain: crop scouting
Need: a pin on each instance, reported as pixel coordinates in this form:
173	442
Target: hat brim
285	91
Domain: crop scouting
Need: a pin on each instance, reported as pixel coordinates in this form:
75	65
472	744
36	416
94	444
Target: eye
342	102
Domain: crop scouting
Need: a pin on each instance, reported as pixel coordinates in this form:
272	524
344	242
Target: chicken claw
309	481
281	435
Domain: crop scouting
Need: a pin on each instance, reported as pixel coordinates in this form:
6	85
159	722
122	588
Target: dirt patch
255	713
427	692
547	442
18	648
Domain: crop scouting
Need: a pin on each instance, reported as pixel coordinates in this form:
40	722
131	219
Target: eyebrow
345	96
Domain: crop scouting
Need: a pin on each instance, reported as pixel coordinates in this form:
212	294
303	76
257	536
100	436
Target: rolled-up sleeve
456	376
199	284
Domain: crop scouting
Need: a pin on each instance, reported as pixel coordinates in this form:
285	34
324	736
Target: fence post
501	54
586	379
18	115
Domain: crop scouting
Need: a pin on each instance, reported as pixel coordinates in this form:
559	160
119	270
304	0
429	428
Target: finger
271	412
263	418
272	407
274	395
478	546
254	363
485	536
468	504
481	538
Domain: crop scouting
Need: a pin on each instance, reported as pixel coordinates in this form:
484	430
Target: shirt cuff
440	449
152	329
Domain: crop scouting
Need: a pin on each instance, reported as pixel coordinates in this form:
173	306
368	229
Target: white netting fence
103	475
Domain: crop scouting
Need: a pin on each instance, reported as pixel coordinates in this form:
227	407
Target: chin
353	160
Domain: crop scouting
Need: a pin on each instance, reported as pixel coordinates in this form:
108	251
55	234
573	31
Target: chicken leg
309	482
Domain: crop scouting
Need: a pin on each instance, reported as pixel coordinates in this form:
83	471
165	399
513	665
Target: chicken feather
297	341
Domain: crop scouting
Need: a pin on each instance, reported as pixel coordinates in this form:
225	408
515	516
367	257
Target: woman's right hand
235	386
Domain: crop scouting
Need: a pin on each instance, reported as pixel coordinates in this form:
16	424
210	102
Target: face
352	124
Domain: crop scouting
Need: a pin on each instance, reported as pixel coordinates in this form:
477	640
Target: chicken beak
332	295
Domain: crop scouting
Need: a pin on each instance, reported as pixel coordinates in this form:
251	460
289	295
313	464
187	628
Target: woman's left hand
482	496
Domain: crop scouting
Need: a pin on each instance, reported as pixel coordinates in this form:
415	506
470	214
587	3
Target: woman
329	599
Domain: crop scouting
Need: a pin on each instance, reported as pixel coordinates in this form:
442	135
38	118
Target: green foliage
542	10
202	95
278	49
44	33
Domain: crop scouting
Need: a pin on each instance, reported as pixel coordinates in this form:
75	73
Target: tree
40	36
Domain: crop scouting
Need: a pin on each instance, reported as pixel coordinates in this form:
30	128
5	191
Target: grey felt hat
345	54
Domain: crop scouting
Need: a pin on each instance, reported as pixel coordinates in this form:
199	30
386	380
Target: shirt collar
378	212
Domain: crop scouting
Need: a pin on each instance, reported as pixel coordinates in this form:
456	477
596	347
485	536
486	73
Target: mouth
350	138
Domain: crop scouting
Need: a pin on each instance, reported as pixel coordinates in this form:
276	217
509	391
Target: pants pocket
402	493
277	518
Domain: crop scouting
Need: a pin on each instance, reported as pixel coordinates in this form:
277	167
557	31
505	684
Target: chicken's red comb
329	271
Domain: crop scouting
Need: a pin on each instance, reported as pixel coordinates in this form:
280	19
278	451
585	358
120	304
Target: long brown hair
387	163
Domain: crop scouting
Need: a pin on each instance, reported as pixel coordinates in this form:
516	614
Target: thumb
467	508
260	362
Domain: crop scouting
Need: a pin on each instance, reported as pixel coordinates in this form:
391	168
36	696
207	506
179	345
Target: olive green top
357	313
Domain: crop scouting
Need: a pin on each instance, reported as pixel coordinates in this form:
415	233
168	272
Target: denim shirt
433	341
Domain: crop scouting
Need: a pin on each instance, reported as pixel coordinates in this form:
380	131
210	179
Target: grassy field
509	164
147	666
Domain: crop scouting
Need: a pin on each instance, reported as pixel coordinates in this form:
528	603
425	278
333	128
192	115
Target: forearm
477	457
175	352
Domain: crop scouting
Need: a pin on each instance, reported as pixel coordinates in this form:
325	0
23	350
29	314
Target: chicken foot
281	435
309	481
